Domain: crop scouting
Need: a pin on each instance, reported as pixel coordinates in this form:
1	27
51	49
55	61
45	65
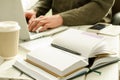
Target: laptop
13	10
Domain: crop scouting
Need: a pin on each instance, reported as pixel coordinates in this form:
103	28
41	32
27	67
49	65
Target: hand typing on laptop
43	23
25	34
30	15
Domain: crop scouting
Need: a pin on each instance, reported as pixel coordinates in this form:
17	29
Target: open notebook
13	10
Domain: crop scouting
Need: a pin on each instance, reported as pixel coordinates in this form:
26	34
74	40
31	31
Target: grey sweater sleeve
90	13
42	7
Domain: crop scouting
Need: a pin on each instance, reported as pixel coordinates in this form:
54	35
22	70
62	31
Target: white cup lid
8	26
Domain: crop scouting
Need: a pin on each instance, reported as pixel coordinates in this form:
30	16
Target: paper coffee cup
9	39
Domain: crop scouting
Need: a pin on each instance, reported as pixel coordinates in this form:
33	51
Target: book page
102	48
59	61
79	41
104	60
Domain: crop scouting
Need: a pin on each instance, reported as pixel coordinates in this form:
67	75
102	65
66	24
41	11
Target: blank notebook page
56	58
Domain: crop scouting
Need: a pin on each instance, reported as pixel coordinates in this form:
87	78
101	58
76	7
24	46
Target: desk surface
108	73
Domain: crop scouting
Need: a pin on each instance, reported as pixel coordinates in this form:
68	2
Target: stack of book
72	53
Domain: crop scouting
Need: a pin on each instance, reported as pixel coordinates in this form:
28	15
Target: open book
86	44
73	53
82	43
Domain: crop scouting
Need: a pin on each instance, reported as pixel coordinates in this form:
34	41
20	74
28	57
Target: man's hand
30	15
45	22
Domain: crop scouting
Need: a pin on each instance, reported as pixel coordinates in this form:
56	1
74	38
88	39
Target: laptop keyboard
50	31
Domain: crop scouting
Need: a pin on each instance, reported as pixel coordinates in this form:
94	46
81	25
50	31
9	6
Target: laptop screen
12	10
